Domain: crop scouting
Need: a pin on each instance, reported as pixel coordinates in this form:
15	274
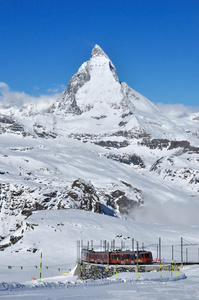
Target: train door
132	259
96	257
141	257
127	259
137	258
122	259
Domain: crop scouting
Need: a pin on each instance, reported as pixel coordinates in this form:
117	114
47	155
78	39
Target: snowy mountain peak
97	51
96	99
95	82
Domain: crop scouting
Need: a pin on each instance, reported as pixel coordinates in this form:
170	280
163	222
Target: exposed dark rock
122	123
8	124
156	165
50	194
128	159
100	117
33	250
15	239
83	194
131	134
164	143
68	103
126	183
116	194
2	247
112	144
26	212
155	143
38	206
41	132
6	120
126	205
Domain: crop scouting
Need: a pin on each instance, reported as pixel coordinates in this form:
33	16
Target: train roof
115	251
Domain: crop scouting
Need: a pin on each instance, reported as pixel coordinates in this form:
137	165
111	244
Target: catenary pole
160	256
132	244
160	249
40	267
181	251
138	260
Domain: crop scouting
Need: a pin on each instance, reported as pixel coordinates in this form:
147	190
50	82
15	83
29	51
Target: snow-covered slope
54	234
102	147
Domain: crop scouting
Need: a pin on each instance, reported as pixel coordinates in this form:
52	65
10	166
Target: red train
117	257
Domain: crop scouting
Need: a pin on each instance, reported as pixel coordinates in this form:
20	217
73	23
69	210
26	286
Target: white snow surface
54	234
168	185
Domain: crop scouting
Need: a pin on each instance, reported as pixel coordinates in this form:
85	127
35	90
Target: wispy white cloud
9	97
36	88
177	110
187	212
56	89
185	117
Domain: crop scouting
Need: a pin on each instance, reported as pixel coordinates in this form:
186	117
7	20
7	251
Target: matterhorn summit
93	88
102	104
97	51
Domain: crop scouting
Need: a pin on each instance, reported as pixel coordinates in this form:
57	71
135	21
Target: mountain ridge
101	146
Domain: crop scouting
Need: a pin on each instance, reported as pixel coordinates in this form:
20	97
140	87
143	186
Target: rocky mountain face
101	146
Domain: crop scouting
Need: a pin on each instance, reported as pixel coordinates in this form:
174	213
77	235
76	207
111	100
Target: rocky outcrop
128	159
170	145
9	125
112	144
42	132
83	196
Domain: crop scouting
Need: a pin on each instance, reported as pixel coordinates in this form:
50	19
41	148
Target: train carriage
117	257
95	257
123	258
144	257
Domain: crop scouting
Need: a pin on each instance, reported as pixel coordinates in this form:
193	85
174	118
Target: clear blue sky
153	44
